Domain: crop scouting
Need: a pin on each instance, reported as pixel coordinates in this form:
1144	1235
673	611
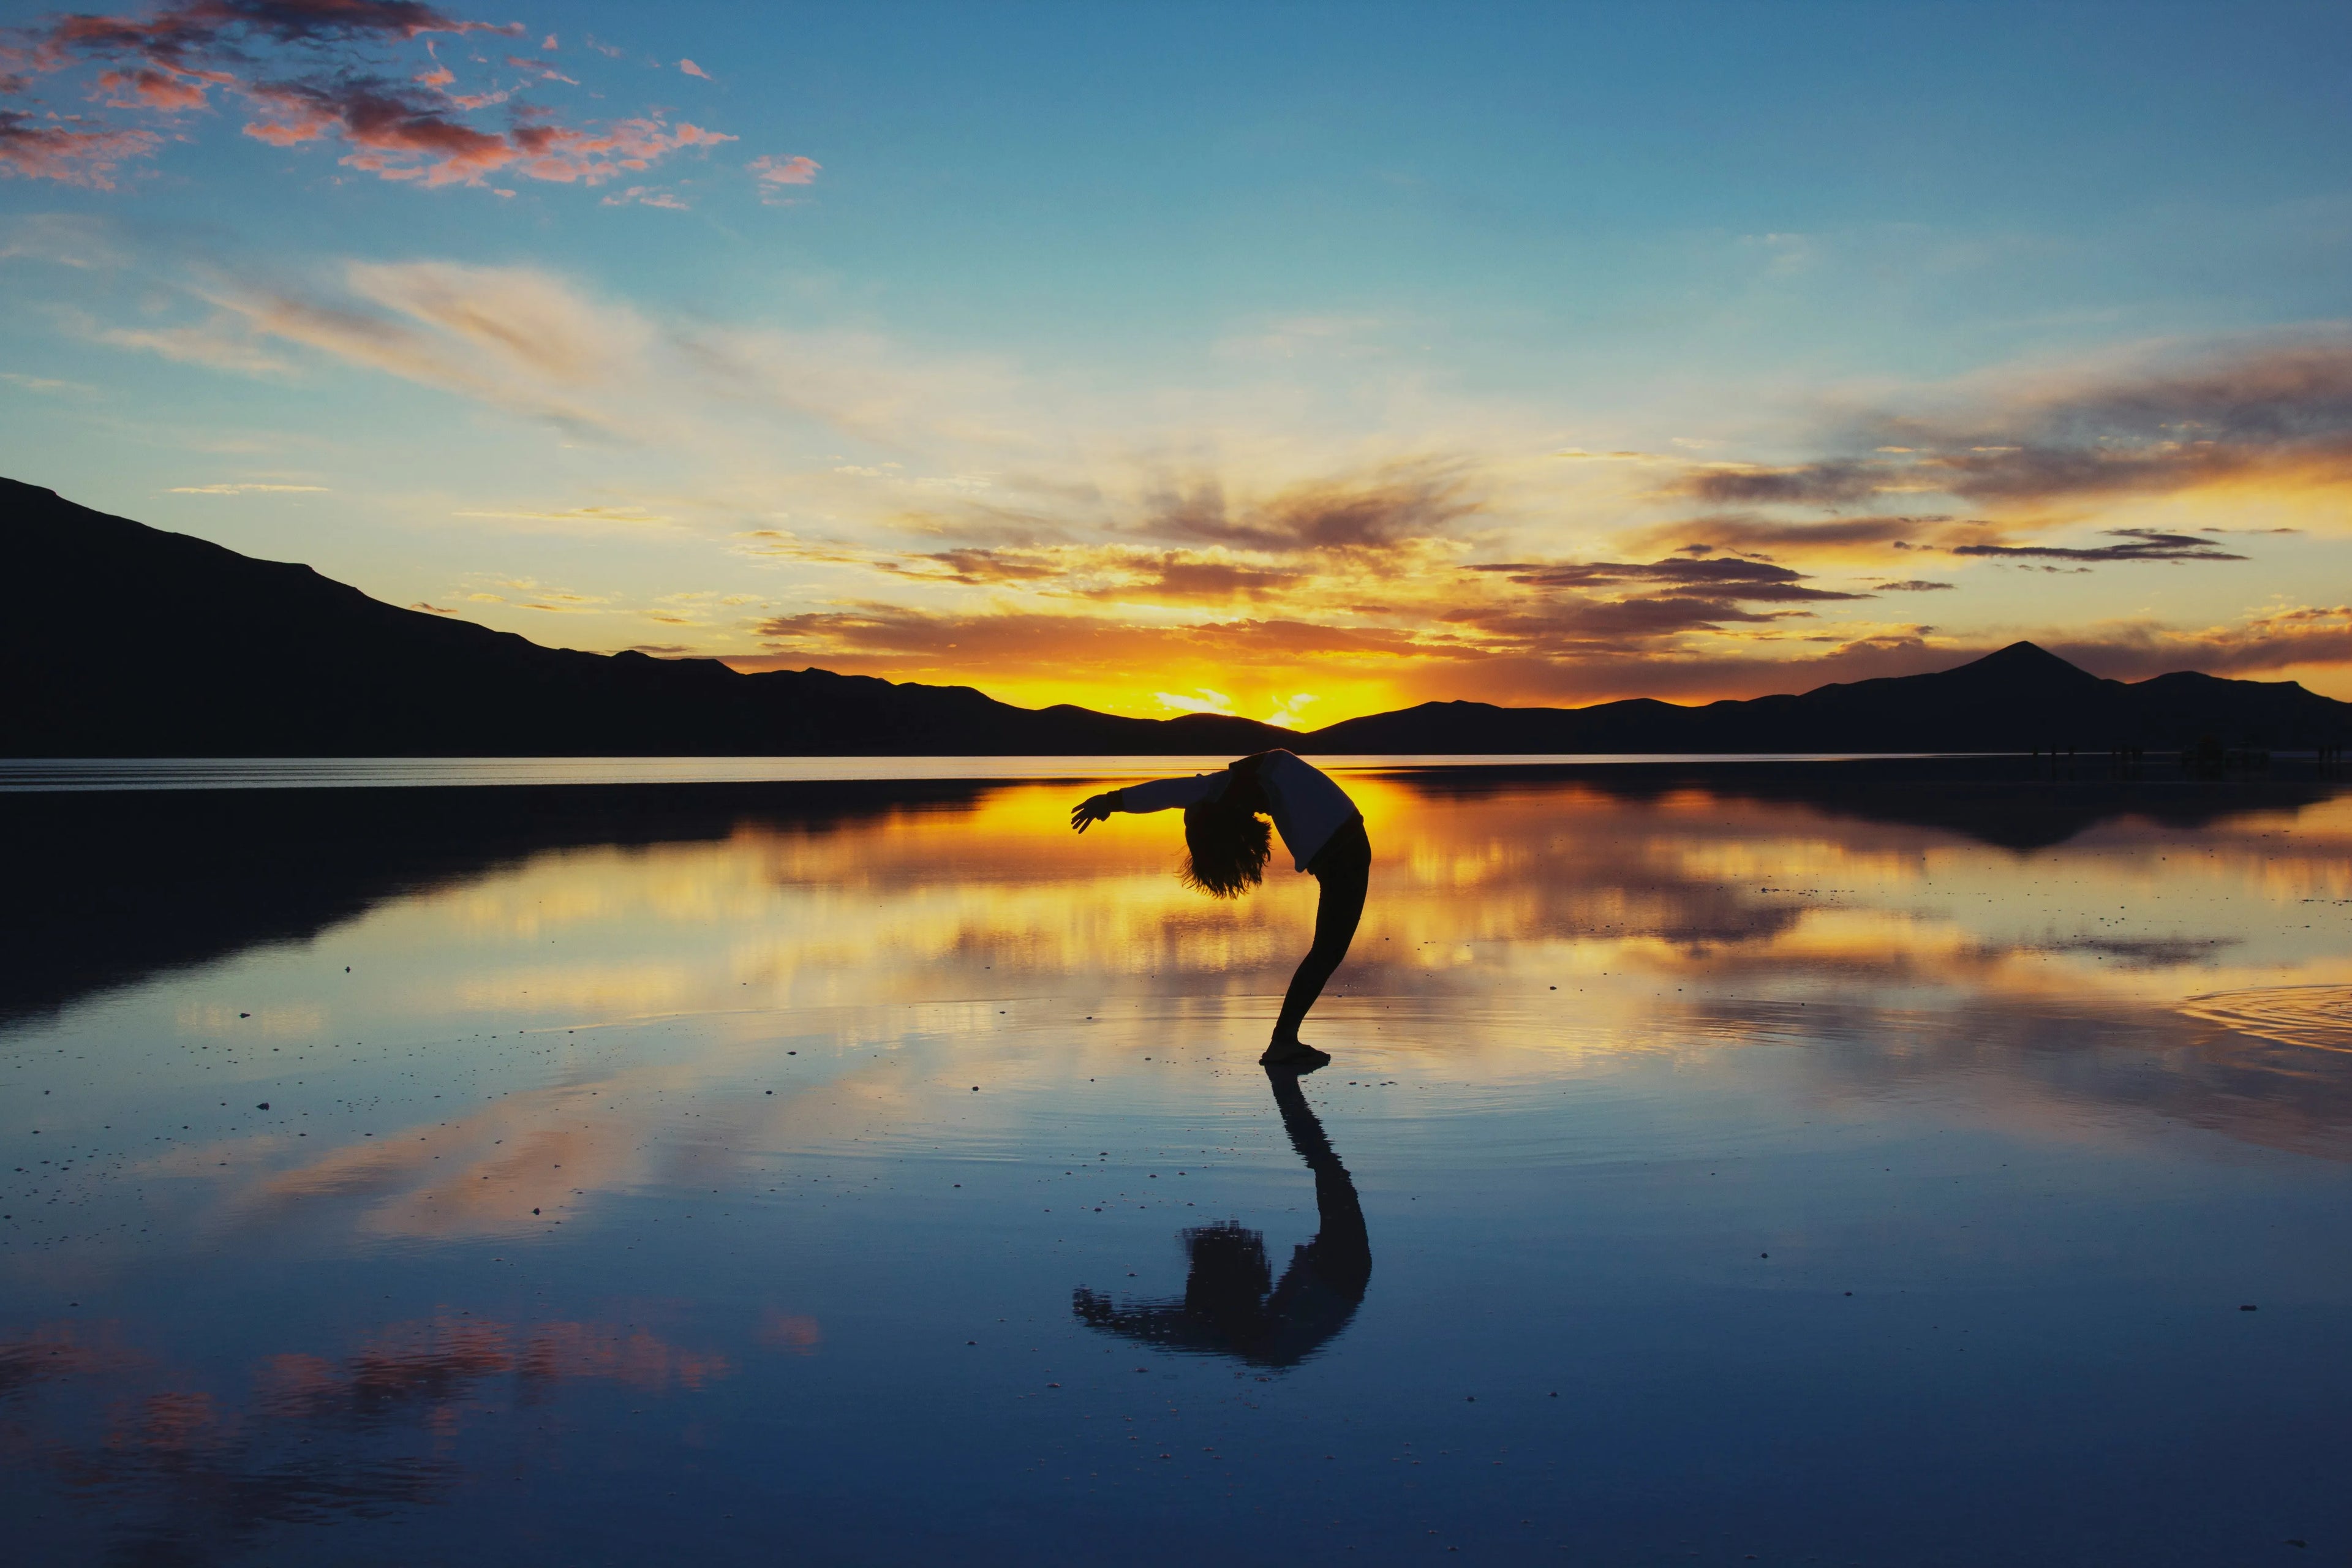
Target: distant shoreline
48	775
34	777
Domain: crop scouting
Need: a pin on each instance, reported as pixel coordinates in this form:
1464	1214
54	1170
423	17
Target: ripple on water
2313	1017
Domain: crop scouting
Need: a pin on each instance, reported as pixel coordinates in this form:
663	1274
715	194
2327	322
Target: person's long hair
1225	848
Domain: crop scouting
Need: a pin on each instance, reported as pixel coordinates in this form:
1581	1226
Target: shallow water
1703	1174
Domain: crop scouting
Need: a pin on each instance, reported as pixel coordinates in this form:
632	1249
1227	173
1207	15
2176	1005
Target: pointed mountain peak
2026	661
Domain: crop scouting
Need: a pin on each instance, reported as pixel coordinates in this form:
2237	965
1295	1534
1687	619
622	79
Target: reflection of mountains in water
111	887
107	888
2008	802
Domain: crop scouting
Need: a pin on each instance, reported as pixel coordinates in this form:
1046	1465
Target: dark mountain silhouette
2020	699
232	657
227	655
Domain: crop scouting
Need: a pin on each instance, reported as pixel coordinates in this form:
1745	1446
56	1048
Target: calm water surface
49	774
1701	1177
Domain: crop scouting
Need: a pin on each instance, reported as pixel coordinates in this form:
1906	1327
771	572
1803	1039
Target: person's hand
1092	809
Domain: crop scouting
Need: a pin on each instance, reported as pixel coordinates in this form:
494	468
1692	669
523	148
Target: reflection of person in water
1228	1309
1226	841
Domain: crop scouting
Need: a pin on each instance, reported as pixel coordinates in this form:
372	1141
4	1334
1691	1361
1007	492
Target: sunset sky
1295	361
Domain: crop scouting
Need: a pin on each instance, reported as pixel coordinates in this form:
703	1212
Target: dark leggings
1344	867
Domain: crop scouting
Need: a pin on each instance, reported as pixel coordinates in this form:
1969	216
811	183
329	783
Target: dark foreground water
1801	1173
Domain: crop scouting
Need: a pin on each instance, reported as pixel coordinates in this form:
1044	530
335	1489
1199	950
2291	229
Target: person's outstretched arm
1159	794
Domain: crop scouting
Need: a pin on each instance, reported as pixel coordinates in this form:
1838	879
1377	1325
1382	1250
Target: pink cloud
546	73
548	45
646	197
178	34
417	131
564	154
35	151
397	138
159	90
776	173
473	100
300	114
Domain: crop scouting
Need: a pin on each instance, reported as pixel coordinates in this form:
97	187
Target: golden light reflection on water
913	906
1512	932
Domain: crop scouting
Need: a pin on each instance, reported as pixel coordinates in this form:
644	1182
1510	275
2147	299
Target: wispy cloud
68	152
179	36
2301	637
218	341
44	385
546	71
647	196
577	518
1030	644
1722	575
2131	544
1752	532
1103	573
1405	501
2279	410
527	593
142	88
1177	578
399	136
61	240
247	489
1832	483
512	336
544	346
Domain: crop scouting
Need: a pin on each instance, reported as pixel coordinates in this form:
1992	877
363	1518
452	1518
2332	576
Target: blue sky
1297	360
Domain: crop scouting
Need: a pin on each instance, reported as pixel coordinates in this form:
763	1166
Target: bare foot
1293	1056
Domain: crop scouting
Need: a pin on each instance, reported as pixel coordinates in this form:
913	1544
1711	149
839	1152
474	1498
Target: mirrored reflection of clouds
564	1008
197	1473
328	1225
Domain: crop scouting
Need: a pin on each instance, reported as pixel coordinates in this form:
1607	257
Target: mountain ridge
241	657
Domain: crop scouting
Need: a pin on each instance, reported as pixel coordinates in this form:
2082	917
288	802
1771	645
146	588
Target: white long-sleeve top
1308	807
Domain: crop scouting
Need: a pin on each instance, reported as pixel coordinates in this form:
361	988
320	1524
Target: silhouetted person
1231	1305
1226	848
